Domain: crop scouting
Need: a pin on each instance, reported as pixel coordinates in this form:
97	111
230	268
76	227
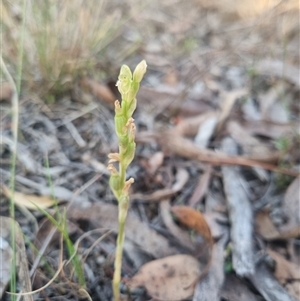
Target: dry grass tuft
61	39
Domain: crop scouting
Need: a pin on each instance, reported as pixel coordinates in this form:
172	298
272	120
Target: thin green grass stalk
61	223
128	85
15	126
62	228
36	251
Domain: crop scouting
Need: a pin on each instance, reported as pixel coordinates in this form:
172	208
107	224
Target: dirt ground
215	206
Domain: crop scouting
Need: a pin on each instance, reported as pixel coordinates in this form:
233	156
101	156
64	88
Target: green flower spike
128	85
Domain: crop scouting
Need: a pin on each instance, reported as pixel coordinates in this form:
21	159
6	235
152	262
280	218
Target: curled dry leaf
195	220
170	278
29	201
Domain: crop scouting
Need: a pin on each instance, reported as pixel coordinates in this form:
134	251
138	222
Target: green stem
119	255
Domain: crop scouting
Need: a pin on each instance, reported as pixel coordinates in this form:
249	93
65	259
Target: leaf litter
210	81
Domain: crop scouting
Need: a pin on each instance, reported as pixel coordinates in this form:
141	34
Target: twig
240	215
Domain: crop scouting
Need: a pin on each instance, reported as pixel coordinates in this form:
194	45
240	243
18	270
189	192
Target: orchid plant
128	85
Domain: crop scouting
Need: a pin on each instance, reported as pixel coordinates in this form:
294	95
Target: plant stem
119	254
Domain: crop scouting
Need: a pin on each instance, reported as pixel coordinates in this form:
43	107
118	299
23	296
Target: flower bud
113	157
139	71
118	109
124	80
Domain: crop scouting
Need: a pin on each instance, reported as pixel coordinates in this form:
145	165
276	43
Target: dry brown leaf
284	270
287	273
170	278
265	227
291	232
29	201
195	220
100	90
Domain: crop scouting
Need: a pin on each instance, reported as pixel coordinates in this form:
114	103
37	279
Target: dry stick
240	215
187	149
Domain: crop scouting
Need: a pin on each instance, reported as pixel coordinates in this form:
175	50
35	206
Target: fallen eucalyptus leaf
171	278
